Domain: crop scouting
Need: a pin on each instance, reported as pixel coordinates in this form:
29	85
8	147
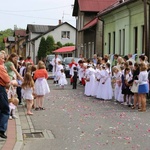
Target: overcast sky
44	12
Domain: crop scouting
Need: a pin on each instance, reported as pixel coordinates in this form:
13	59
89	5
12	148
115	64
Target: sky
41	12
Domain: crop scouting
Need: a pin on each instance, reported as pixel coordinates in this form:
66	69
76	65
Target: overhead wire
44	9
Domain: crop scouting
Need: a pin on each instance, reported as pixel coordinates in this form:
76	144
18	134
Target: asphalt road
78	122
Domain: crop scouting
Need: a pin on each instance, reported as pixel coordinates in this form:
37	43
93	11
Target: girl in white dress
41	85
27	91
87	79
58	70
106	87
97	79
62	79
101	83
118	96
90	80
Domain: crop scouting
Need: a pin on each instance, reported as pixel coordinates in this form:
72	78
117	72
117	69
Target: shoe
41	108
10	117
125	103
14	117
133	107
2	135
37	108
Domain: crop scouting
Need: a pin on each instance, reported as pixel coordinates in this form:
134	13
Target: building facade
124	31
89	27
64	33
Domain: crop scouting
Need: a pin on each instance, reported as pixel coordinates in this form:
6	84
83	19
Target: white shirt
143	78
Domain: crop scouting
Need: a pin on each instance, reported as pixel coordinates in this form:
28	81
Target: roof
91	5
52	30
21	33
39	28
65	49
90	24
115	6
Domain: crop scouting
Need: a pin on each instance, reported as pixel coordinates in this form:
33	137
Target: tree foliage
42	49
68	44
5	33
50	45
59	44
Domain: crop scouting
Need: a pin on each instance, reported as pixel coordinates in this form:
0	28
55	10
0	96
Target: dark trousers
4	109
19	94
74	83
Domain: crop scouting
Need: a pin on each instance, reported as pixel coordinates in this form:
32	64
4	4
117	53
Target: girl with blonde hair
27	91
41	85
143	87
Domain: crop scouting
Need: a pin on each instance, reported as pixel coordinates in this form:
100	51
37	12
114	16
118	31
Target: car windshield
50	57
69	59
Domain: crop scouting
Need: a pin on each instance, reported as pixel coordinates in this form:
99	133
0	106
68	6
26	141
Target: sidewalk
16	130
14	139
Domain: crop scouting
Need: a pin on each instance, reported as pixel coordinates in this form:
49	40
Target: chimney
59	22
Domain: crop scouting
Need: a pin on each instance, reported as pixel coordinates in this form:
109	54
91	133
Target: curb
19	140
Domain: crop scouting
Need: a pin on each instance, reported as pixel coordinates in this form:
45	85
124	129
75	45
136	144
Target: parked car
66	62
49	59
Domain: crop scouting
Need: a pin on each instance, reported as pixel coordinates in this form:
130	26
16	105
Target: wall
125	18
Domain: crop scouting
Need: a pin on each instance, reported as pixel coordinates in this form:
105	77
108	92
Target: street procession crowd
20	80
123	79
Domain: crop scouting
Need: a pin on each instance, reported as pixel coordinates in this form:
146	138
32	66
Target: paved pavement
73	121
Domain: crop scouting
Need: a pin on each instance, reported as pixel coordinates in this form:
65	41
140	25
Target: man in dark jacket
4	106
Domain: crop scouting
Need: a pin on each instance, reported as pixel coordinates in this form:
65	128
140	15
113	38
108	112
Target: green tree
68	44
42	49
50	45
5	33
59	44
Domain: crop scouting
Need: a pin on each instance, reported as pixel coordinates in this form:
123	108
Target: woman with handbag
143	87
134	88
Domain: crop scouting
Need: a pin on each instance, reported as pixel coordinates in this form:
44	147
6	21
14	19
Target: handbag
134	88
12	96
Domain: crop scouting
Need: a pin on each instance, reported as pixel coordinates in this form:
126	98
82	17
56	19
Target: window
84	50
93	50
65	34
135	39
114	46
70	55
120	42
143	39
89	50
123	41
109	43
